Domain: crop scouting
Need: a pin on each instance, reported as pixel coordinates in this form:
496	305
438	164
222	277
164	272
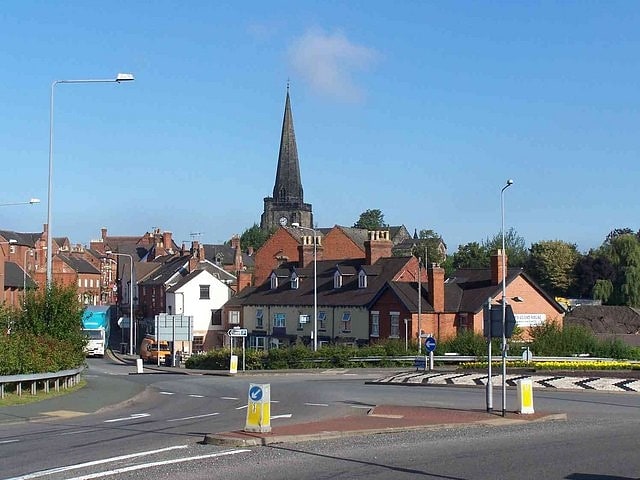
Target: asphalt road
154	424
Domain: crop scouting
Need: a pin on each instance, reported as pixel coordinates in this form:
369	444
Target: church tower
287	204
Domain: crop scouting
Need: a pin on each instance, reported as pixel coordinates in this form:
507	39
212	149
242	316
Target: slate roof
164	273
78	264
14	276
24	239
348	295
228	254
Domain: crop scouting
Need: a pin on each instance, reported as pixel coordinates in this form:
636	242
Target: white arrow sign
237	332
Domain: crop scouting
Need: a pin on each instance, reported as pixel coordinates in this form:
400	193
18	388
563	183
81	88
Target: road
157	432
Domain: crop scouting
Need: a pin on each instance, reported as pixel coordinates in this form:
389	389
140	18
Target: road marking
166	393
9	441
286	415
133	416
194	416
196	396
317	404
362	406
77	466
275	401
229	398
242	407
156	464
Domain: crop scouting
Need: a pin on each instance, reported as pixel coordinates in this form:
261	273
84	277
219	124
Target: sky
420	109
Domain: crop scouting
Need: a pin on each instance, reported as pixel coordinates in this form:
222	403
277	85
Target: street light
121	77
31	201
504	305
109	252
315	283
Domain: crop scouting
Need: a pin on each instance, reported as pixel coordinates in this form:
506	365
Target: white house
201	295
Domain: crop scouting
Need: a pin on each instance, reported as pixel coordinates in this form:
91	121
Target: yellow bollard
259	409
525	396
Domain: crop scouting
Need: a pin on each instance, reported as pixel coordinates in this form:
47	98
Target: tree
429	247
552	263
254	237
471	255
514	244
370	220
589	269
625	256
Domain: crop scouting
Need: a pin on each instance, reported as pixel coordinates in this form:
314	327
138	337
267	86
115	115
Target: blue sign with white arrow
430	344
255	393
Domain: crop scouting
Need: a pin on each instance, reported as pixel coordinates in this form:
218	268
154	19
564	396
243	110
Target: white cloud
328	63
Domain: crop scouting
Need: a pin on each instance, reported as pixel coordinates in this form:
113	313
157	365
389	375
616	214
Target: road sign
430	344
255	393
237	332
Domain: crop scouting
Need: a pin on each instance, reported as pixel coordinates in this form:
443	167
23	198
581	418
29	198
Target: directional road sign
237	332
430	344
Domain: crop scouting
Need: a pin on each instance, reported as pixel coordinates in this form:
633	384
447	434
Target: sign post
430	346
234	333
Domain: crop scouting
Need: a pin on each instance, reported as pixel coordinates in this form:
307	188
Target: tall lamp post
32	201
504	305
121	77
109	252
315	283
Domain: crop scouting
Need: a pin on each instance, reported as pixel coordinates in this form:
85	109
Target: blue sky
420	109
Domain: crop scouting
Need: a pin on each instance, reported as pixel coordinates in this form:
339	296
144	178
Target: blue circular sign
430	344
255	393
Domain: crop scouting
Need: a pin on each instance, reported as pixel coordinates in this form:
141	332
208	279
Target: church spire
288	186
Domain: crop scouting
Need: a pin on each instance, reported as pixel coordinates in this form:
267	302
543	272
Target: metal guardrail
61	379
455	358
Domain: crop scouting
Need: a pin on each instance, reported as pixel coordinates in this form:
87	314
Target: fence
57	380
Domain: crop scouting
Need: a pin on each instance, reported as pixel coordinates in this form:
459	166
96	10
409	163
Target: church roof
288	186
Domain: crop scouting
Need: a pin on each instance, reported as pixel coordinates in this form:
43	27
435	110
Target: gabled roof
166	272
24	239
78	264
186	279
16	277
227	254
348	295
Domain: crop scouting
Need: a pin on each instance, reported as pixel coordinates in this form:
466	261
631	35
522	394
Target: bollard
233	364
259	409
139	365
525	396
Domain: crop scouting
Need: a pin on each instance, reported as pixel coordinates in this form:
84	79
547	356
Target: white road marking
9	441
155	464
194	416
242	407
196	396
275	401
77	466
286	415
317	404
229	398
166	393
133	416
362	406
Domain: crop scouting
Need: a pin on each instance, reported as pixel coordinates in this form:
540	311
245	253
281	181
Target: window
302	320
86	283
362	279
12	249
274	281
79	282
234	317
259	318
198	344
375	324
337	280
295	282
216	317
97	283
322	320
279	320
258	343
91	283
346	322
204	292
395	324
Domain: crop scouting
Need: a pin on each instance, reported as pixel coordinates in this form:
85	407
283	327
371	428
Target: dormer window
337	280
295	281
362	279
274	281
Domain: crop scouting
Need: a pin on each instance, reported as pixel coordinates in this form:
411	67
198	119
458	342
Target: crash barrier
45	381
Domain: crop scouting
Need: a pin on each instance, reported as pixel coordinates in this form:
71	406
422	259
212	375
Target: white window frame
345	323
258	343
259	318
295	282
274	281
279	320
337	280
394	323
234	317
375	324
362	279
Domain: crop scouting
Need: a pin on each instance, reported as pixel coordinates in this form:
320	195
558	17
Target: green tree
470	255
514	244
254	237
590	268
430	247
371	220
602	290
552	263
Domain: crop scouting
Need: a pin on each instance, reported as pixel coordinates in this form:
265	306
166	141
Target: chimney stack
305	250
497	268
378	246
435	279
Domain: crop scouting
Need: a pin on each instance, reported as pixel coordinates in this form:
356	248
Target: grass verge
11	399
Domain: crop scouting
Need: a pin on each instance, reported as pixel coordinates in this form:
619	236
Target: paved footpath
538	380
